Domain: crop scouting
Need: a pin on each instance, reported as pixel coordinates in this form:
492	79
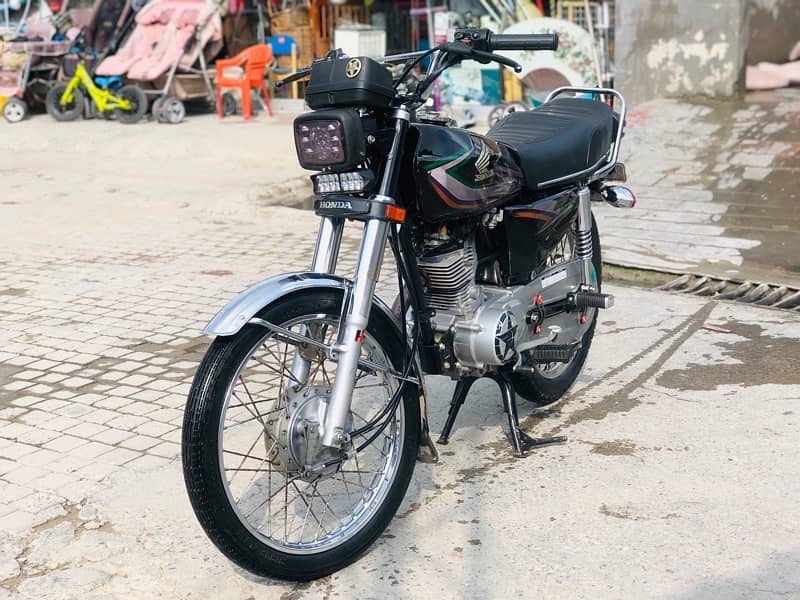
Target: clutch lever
302	73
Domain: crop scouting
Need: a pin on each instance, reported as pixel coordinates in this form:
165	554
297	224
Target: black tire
138	101
68	112
543	391
229	104
200	447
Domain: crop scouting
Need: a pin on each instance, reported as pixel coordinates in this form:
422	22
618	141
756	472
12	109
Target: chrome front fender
238	312
246	304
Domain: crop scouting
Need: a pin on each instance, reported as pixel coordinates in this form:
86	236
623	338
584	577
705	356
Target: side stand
459	395
520	441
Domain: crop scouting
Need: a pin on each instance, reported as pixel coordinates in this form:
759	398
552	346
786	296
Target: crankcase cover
488	339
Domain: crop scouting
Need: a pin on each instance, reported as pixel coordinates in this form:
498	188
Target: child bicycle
66	101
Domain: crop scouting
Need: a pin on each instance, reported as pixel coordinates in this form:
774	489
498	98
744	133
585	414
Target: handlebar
533	41
483	39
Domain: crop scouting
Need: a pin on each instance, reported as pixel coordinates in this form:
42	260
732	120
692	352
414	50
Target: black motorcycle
308	412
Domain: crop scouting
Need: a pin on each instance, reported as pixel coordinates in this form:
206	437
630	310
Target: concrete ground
678	480
716	184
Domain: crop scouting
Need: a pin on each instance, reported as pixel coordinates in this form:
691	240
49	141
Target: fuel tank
459	173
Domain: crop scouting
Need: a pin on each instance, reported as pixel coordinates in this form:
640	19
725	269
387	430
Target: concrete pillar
671	48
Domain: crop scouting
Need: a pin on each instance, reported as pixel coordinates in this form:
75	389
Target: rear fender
245	305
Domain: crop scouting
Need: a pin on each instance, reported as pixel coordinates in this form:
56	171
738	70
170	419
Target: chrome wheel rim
282	509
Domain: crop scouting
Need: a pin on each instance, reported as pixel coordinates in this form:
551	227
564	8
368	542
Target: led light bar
353	182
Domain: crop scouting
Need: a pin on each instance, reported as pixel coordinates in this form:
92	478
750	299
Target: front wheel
250	453
549	382
64	111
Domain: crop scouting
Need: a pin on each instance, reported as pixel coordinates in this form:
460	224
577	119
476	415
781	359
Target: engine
475	323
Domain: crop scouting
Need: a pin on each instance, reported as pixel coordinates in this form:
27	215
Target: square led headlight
332	138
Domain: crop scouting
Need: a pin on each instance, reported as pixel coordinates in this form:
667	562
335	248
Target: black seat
560	138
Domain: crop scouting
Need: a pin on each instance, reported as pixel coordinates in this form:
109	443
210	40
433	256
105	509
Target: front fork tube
583	236
326	255
352	332
357	306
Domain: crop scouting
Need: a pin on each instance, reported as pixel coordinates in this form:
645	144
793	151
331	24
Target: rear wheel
248	441
549	382
66	111
138	101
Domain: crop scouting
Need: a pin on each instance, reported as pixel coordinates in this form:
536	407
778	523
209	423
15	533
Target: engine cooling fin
773	295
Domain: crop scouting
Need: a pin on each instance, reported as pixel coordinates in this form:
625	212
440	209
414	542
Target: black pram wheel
229	104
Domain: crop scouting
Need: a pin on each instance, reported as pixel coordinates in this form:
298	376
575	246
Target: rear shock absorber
583	234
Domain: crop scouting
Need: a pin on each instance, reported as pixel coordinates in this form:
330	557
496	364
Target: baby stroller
24	64
167	52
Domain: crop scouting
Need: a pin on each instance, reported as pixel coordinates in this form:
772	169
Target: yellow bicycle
67	101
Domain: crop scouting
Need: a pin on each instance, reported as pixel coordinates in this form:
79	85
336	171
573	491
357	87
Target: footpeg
584	300
549	353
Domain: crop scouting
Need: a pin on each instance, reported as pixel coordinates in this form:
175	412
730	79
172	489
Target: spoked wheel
67	111
505	108
15	109
267	494
549	382
138	101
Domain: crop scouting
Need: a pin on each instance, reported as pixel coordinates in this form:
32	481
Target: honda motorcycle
308	413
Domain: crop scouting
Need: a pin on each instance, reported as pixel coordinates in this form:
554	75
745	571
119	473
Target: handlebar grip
530	41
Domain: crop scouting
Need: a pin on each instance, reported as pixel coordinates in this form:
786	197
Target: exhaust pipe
618	196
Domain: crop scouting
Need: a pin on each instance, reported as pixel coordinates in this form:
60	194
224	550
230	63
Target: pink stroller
167	52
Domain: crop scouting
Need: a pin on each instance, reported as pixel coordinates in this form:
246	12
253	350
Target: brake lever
465	50
498	58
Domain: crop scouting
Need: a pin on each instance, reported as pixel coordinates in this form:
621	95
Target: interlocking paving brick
154	428
119	456
149	395
41	458
112	436
65	443
140	442
127	422
17	522
136	380
26	400
85	430
29	374
122	390
101	416
166	449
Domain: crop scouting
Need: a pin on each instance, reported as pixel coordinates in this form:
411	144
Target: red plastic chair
254	62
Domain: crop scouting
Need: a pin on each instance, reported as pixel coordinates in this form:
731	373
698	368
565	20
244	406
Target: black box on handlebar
358	81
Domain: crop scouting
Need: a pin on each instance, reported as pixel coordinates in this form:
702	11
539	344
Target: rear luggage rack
605	165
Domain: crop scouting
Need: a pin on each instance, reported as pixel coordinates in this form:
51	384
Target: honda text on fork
308	413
